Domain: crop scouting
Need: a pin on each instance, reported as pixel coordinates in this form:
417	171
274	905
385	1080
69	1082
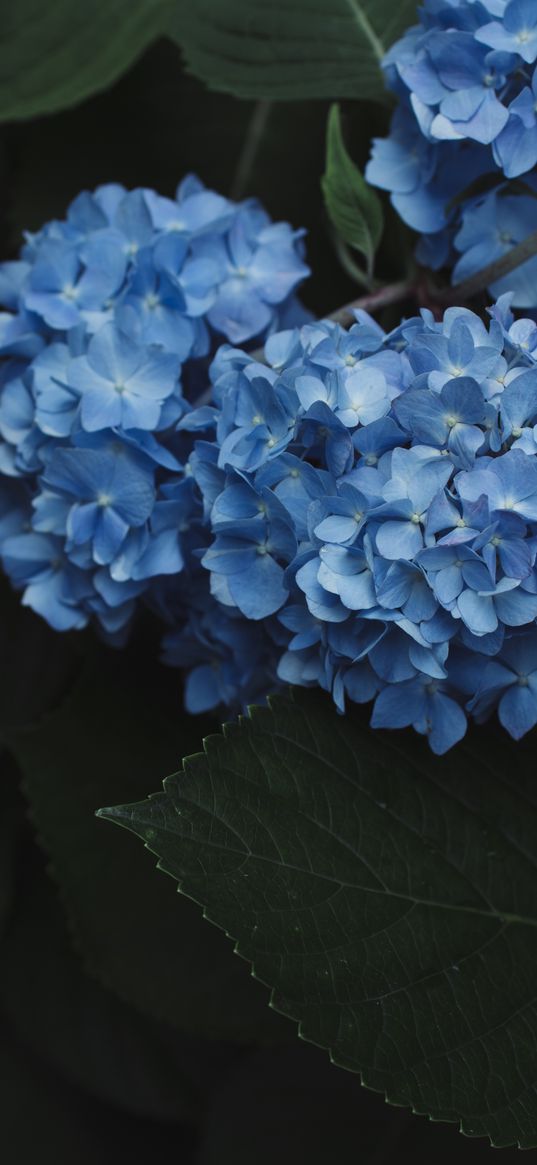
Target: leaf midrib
367	29
387	809
340	883
449	794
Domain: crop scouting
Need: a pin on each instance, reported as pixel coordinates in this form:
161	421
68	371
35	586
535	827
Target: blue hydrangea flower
466	83
356	511
109	318
378	550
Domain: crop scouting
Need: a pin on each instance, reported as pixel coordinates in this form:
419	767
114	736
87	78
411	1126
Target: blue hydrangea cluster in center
460	161
355	510
370	521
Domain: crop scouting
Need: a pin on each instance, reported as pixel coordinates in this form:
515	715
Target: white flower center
151	301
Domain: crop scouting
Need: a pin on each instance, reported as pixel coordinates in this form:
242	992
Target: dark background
86	1076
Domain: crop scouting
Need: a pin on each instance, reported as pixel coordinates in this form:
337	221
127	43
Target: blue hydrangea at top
370	511
465	127
107	317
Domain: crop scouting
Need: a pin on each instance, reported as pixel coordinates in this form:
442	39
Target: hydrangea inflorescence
461	158
109	314
356	511
370	501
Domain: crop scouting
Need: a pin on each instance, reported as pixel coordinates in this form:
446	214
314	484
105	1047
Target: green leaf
354	208
85	1033
54	55
118	723
37	666
388	897
280	49
46	1119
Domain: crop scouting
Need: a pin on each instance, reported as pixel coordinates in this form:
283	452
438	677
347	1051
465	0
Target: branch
393	293
252	142
489	274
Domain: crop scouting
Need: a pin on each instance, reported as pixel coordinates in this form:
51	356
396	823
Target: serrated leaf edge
114	814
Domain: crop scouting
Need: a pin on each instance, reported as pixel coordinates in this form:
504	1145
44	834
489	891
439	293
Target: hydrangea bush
340	513
460	158
108	317
356	511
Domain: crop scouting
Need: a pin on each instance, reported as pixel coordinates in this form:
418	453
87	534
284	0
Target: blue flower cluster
370	522
356	511
108	315
464	129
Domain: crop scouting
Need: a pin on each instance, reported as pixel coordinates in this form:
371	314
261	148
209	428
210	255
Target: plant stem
489	274
393	293
254	135
363	278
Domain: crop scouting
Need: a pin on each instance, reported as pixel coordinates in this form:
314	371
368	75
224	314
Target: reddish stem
373	301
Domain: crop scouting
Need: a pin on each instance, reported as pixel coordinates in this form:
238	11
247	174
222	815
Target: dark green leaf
283	49
47	1121
52	55
154	952
158	124
388	897
354	208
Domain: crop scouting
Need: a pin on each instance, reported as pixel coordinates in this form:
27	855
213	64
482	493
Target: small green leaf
291	49
354	208
388	897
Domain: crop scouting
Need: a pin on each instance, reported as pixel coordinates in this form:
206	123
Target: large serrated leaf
388	897
54	55
282	49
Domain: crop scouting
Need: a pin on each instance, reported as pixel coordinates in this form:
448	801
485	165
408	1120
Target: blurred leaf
133	934
156	125
9	829
85	1032
388	896
53	55
37	666
152	127
354	208
291	49
46	1120
11	825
